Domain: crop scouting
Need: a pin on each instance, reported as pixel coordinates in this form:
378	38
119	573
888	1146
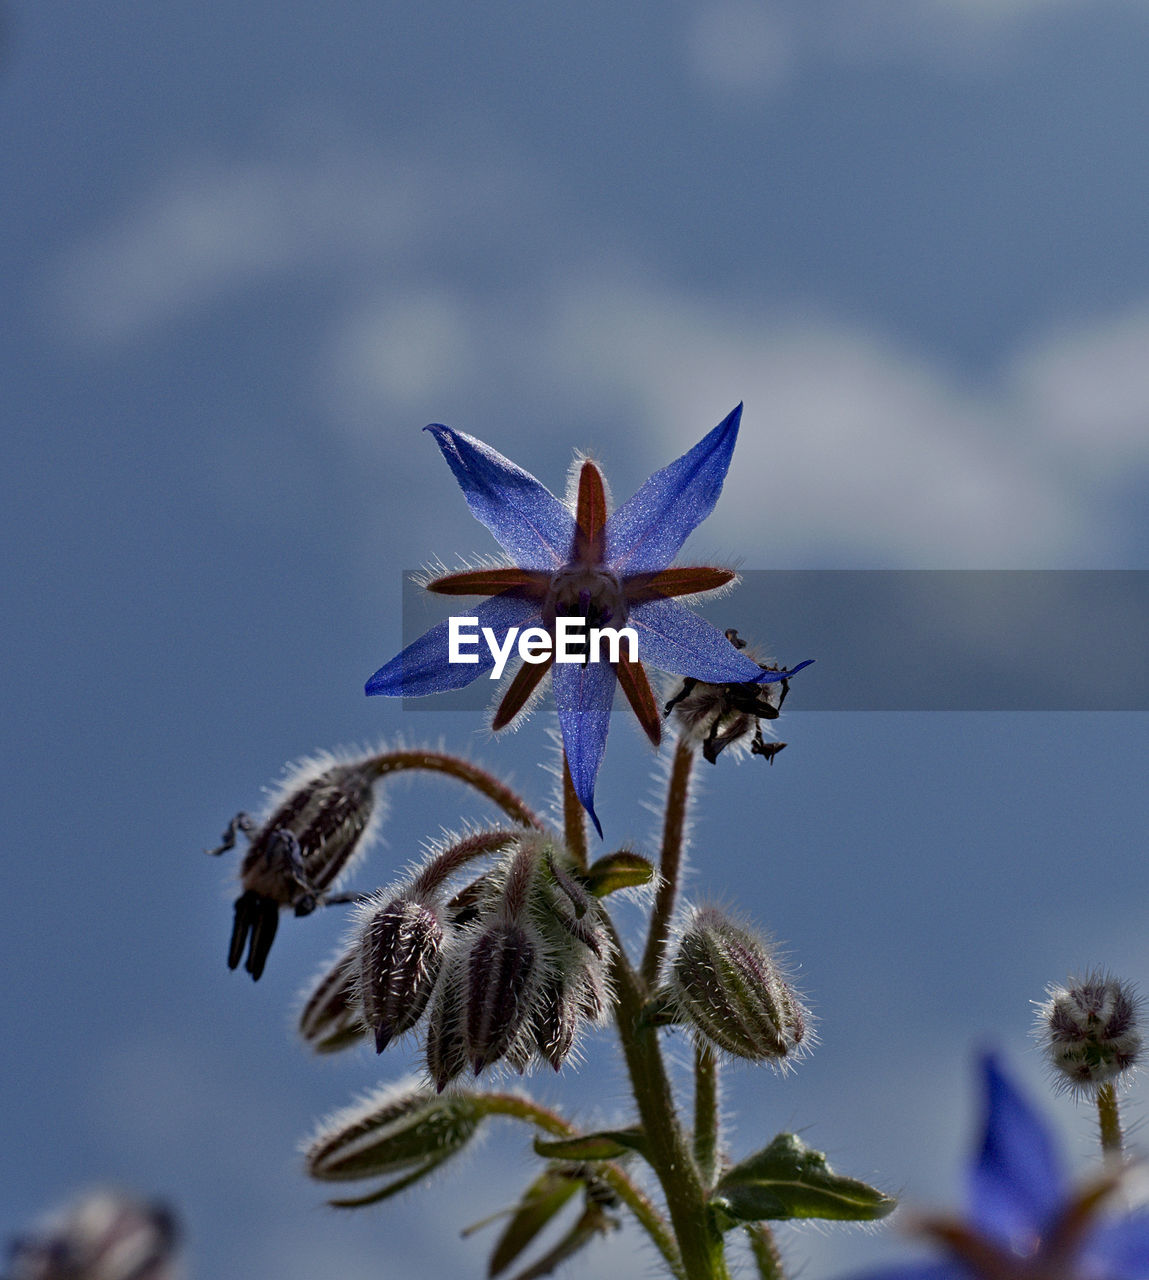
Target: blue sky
249	251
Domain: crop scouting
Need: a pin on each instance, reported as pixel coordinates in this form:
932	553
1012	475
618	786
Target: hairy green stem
706	1113
647	1216
764	1249
673	840
1109	1118
671	1158
455	767
574	819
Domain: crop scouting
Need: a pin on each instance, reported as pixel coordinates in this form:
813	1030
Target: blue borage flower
611	570
1025	1222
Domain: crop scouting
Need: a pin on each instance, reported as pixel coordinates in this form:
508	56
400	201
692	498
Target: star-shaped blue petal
609	570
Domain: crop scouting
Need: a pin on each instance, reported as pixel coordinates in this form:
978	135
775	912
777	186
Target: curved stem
445	864
670	866
456	767
706	1112
647	1216
765	1250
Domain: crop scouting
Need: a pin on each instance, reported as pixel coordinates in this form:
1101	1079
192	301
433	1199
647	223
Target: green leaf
390	1189
544	1198
607	1144
621	870
789	1180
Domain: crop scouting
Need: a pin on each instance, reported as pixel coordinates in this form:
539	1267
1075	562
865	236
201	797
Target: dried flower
605	570
717	716
105	1235
322	817
727	984
1089	1030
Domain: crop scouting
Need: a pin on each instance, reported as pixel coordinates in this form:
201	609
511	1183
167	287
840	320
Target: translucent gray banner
915	639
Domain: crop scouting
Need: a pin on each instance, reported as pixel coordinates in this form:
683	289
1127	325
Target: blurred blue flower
1025	1221
609	570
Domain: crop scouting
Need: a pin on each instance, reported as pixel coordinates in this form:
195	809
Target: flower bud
400	955
1088	1030
726	983
331	1018
395	1130
503	974
104	1236
446	1041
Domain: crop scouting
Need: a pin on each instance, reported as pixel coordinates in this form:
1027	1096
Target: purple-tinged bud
503	972
1089	1031
396	1130
105	1235
556	1021
331	1018
446	1040
322	817
727	984
400	954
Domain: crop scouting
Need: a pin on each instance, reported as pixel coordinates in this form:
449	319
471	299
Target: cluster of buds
717	716
726	983
1089	1032
106	1235
322	816
510	968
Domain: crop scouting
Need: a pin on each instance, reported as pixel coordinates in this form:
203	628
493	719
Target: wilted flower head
605	569
726	982
1025	1221
105	1235
717	716
320	819
1089	1030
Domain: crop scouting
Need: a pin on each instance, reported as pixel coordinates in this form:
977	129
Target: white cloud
853	450
206	231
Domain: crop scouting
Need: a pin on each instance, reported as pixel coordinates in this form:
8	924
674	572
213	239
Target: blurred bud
397	1130
1088	1030
400	953
718	716
320	819
726	983
331	1018
106	1235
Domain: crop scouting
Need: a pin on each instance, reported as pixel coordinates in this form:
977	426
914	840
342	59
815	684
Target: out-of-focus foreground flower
105	1235
609	570
1025	1221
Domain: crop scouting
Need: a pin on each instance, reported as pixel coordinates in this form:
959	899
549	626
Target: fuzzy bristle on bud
446	1041
331	1018
394	1131
726	983
400	955
106	1235
1089	1031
